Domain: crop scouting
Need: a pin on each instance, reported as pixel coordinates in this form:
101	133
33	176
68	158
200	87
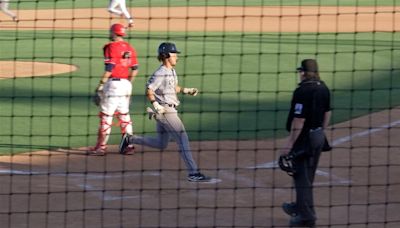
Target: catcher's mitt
96	99
98	94
287	164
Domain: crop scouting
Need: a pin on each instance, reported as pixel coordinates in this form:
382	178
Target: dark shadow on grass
32	147
210	115
207	116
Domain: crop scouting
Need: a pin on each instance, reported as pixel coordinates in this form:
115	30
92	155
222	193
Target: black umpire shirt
310	101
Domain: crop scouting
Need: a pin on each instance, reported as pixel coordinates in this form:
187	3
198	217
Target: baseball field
242	55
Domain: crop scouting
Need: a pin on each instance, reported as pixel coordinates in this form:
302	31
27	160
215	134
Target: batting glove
190	91
150	112
159	109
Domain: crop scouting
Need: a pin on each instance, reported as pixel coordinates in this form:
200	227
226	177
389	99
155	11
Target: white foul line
17	172
268	165
88	187
274	164
87	176
365	133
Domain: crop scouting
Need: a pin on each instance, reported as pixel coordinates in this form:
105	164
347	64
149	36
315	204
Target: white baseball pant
119	7
4	7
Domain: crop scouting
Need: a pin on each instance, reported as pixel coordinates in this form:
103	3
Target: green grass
246	81
48	4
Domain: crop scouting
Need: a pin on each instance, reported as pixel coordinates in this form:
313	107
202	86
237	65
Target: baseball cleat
198	177
130	24
124	144
130	150
290	209
97	151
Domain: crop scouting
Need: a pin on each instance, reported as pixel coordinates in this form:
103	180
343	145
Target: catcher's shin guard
125	123
104	130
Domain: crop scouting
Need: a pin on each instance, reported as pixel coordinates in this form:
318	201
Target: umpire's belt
316	129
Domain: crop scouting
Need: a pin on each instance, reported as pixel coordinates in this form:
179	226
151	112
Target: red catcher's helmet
118	29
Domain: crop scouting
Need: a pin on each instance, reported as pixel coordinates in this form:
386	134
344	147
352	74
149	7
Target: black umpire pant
306	166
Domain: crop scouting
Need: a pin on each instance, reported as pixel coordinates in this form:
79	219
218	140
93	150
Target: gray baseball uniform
163	83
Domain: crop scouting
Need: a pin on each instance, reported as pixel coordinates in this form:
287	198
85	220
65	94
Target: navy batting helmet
165	48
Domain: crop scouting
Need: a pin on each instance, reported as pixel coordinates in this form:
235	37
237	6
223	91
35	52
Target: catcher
309	115
115	88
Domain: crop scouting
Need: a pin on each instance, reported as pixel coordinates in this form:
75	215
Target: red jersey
122	56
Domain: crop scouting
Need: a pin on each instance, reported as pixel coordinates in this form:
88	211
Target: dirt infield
230	19
357	183
16	69
239	19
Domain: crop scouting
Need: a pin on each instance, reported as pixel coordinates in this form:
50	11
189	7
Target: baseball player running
162	89
115	87
4	4
118	7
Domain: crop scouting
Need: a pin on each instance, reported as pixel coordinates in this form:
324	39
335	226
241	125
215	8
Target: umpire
309	114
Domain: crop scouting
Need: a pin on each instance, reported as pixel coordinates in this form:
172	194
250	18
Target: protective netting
242	56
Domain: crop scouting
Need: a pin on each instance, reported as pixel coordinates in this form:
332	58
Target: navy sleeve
109	67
